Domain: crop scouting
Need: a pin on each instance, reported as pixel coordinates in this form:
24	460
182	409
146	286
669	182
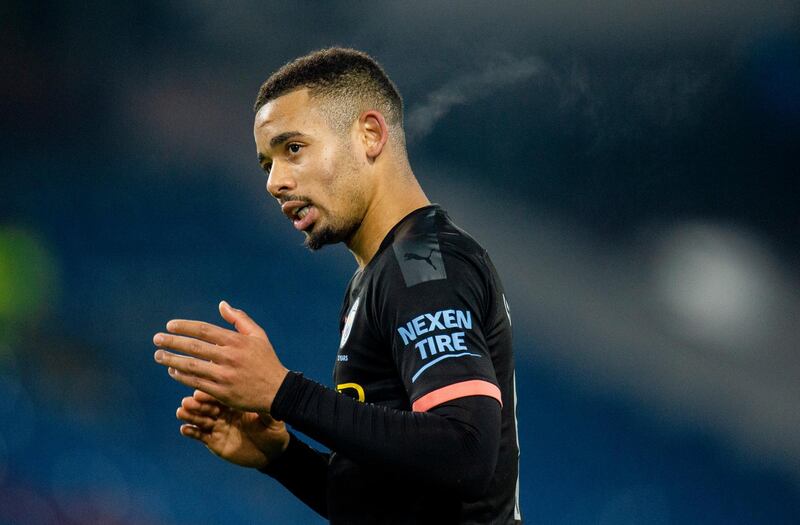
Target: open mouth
302	214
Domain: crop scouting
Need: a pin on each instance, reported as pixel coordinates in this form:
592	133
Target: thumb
240	320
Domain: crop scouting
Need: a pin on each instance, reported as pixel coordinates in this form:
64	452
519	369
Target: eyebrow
277	140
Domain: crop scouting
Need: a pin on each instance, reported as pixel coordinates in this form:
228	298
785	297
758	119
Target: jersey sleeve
303	471
433	312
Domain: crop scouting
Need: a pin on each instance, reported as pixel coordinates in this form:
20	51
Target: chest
364	368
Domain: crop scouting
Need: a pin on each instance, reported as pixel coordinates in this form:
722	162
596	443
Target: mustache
283	199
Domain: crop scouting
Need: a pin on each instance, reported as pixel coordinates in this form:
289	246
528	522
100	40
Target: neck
390	204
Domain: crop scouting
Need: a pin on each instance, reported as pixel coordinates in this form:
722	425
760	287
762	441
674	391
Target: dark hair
348	76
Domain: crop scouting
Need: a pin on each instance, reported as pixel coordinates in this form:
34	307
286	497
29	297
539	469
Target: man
421	424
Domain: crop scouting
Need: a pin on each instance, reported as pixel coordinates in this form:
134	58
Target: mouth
301	213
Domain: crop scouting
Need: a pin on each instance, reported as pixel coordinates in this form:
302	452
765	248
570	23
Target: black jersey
425	323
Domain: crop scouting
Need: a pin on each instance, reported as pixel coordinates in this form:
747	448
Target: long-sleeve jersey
422	419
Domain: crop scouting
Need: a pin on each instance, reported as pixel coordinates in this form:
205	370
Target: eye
294	147
267	167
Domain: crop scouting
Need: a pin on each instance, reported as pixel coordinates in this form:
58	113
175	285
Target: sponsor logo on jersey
348	323
410	256
353	390
449	344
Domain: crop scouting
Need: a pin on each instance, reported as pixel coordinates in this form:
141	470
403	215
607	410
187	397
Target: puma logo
410	256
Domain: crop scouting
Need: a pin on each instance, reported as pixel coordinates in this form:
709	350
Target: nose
280	181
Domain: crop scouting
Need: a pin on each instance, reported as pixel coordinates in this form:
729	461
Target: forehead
295	110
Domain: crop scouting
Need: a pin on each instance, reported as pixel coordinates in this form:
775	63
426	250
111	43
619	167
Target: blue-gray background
630	166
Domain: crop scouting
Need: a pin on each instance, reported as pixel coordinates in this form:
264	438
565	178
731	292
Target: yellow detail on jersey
355	386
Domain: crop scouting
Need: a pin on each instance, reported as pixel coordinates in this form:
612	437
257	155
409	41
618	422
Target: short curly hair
350	79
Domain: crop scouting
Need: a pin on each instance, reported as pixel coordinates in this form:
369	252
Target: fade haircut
348	82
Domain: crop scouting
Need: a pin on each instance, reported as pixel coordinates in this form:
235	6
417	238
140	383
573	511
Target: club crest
348	323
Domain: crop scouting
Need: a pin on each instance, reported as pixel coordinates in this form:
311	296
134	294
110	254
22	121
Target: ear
374	132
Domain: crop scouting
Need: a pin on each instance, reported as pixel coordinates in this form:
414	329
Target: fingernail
158	355
158	339
231	307
172	371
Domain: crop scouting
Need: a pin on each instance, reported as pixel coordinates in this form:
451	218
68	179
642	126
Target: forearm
453	446
303	471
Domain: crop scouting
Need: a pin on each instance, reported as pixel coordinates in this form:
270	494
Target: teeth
302	212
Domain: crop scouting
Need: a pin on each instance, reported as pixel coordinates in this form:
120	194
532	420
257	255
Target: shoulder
428	246
429	259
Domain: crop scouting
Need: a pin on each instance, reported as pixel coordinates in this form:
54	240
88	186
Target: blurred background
631	168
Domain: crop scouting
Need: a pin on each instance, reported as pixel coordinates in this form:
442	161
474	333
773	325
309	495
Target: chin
312	244
324	235
316	240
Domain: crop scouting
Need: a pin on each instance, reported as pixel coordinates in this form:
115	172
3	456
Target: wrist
278	455
276	383
286	395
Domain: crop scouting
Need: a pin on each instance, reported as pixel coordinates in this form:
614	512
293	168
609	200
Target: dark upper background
631	167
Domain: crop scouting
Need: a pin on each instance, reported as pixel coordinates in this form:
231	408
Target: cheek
328	169
319	170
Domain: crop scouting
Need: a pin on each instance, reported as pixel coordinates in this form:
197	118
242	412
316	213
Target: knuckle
233	340
203	329
228	376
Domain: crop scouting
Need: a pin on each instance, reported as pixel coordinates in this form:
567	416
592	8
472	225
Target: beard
331	234
341	227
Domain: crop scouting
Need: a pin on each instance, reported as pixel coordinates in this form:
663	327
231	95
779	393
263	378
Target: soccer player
421	423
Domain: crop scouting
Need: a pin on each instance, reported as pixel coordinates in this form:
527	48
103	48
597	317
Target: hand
243	438
240	368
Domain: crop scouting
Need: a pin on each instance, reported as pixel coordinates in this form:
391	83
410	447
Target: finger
204	398
243	323
187	365
207	409
197	382
191	346
202	422
201	330
266	419
194	433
